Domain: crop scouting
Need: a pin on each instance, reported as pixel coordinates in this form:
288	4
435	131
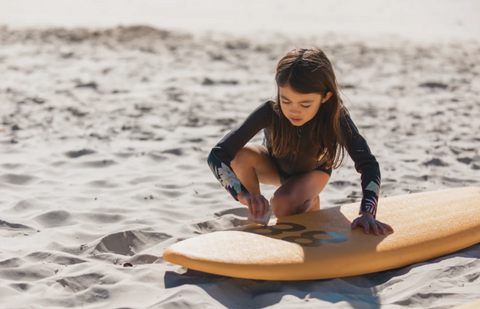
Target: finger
250	208
266	206
261	209
375	228
354	223
381	228
388	227
254	209
385	226
367	228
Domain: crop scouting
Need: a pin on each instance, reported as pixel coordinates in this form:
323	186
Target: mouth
295	119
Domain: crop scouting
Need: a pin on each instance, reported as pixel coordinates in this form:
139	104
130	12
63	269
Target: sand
426	20
104	137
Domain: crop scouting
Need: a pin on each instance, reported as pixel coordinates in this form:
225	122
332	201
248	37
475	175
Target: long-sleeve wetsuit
303	160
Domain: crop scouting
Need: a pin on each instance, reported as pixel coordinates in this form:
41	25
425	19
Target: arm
365	164
224	152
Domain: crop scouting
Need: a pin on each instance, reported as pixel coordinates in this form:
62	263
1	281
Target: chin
297	123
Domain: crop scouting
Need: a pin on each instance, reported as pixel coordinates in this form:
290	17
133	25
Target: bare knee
245	157
286	205
282	205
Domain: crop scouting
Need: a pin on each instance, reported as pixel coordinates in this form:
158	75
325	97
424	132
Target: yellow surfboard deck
472	305
321	244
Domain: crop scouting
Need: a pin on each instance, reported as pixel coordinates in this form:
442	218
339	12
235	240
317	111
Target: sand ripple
104	137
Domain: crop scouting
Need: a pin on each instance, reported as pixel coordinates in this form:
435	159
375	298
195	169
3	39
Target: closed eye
304	106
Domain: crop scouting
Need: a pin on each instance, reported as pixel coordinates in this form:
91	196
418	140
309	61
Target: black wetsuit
302	161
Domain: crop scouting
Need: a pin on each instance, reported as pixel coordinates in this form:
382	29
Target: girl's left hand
368	222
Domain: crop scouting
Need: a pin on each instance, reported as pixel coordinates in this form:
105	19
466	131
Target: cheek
312	112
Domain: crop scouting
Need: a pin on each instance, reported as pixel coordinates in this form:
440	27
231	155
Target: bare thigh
253	161
289	198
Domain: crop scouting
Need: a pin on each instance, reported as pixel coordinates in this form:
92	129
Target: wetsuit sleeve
225	151
365	164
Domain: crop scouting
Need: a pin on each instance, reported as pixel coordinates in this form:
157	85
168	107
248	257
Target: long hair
310	71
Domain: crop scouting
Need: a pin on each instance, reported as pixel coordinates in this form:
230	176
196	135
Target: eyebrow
304	101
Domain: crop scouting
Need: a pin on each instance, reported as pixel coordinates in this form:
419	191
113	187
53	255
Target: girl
307	131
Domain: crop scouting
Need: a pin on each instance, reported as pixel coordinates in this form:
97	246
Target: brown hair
310	71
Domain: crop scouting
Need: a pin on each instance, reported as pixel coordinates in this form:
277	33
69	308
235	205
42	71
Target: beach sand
104	137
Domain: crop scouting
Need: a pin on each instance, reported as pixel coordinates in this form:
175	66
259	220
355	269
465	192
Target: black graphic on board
306	239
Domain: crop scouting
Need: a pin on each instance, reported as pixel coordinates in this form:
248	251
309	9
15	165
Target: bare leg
253	166
299	194
310	205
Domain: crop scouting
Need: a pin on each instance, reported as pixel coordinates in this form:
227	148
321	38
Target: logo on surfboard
305	239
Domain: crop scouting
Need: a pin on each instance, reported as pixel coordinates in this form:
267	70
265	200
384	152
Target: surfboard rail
321	244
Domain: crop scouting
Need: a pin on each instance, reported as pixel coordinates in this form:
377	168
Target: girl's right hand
256	203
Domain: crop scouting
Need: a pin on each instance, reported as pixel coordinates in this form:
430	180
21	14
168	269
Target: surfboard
472	305
321	244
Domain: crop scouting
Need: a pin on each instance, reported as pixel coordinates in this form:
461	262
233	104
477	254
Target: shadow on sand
363	291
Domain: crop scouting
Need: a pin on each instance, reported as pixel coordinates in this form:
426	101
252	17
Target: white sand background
105	130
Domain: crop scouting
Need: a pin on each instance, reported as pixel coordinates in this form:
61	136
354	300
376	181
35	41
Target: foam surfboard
472	305
321	244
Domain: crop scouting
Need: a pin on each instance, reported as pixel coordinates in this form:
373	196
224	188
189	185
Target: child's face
299	108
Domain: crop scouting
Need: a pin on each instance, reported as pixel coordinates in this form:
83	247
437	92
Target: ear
327	96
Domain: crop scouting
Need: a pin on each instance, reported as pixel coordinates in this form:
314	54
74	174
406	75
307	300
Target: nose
294	110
